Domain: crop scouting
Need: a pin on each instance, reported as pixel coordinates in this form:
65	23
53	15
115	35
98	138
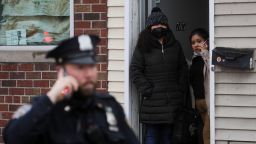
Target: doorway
183	16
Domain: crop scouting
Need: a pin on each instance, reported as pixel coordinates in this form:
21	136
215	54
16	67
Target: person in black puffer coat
159	70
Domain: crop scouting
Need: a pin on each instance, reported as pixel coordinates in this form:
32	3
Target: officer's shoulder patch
22	111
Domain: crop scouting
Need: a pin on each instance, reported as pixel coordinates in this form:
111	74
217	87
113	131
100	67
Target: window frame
42	48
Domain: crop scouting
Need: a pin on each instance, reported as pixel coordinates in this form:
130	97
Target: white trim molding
212	74
127	41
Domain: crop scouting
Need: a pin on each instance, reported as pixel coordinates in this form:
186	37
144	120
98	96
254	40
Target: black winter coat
197	77
161	77
99	120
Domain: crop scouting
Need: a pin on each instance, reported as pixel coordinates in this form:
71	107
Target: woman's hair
145	41
201	32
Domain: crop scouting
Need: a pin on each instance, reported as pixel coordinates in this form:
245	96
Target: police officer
71	112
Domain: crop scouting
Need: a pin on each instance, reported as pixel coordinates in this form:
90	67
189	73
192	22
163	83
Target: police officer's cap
76	50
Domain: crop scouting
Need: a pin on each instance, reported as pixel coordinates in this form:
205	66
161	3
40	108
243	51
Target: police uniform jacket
98	119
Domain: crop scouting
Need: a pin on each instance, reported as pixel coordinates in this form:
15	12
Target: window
34	24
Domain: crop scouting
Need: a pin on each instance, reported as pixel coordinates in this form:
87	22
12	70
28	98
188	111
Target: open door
184	16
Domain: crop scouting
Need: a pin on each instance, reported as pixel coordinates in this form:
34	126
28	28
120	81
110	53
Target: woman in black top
199	77
159	71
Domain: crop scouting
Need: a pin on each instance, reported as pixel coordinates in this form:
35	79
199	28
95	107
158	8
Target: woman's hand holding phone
204	46
204	50
63	86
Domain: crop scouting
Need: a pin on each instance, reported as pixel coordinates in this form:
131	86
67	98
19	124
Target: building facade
232	23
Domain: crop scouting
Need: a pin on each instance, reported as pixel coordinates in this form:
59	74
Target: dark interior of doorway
183	16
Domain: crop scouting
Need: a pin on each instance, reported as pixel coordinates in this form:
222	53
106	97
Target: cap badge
85	43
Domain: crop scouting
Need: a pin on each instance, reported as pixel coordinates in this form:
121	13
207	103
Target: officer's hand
64	85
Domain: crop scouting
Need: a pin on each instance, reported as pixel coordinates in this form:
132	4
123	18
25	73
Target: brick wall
19	82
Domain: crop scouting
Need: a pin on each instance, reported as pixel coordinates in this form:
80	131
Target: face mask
159	32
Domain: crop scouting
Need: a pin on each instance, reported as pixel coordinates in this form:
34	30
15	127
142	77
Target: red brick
78	16
98	67
97	50
33	75
90	1
82	8
42	67
102	76
8	99
41	83
26	67
79	32
103	16
104	33
3	91
8	83
24	83
77	1
25	99
102	58
9	67
3	107
49	75
3	123
7	115
104	67
91	16
99	24
104	84
103	50
16	99
99	8
93	32
13	107
44	91
52	82
1	99
17	75
82	24
103	1
53	67
4	75
103	41
98	84
16	91
32	91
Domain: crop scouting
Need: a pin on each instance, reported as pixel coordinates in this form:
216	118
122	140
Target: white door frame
129	31
212	74
127	41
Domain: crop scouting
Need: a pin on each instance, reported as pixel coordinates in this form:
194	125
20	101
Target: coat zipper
168	98
162	48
